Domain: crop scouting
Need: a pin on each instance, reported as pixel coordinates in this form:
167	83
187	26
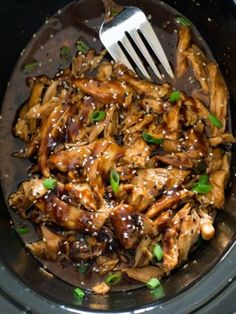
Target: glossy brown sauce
64	29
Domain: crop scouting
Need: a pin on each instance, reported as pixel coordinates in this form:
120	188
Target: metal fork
122	21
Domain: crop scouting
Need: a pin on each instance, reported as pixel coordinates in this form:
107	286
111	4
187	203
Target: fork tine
138	40
118	55
127	45
154	42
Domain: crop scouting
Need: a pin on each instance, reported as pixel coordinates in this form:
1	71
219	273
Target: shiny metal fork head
127	23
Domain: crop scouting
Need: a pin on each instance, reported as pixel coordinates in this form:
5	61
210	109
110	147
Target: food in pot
127	174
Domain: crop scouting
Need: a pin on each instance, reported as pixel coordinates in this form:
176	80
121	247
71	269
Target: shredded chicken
120	167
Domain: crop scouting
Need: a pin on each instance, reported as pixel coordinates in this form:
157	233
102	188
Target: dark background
20	19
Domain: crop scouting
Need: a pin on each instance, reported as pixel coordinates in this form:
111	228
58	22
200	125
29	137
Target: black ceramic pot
207	286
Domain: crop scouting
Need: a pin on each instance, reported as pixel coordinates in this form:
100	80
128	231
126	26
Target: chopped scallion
174	96
114	180
79	293
215	121
150	139
153	283
202	188
113	279
82	46
49	183
183	21
158	292
98	116
65	55
22	230
29	67
203	179
158	252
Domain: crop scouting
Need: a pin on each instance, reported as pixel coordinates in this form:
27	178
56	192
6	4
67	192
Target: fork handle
112	9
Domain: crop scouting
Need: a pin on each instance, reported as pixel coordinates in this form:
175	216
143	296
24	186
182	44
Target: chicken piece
108	126
199	64
24	127
195	144
49	102
218	180
49	132
83	249
189	113
146	88
218	97
125	229
178	160
166	202
151	104
147	185
206	223
70	217
172	119
144	253
176	178
27	194
70	158
179	216
188	236
214	160
106	264
170	249
100	163
108	92
128	225
131	118
104	71
183	45
101	288
48	247
139	126
172	146
82	194
84	63
144	274
137	153
221	139
163	221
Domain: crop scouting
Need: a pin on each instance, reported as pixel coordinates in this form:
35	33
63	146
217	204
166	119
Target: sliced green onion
158	252
174	96
82	46
215	121
49	183
202	188
183	21
158	292
83	268
98	116
114	180
22	230
150	139
113	279
65	55
79	293
29	67
153	283
203	179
